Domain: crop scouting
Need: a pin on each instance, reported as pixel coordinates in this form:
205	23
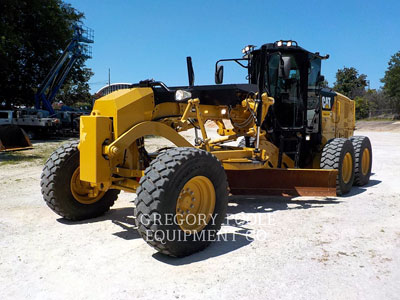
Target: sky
140	40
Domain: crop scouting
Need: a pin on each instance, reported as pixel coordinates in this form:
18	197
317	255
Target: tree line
354	85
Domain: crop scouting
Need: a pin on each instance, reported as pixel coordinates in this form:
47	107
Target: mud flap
283	182
13	138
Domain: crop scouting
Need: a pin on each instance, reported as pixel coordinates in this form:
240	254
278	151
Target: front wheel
65	193
182	201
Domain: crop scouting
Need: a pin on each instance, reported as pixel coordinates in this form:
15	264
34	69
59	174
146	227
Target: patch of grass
38	155
15	158
47	150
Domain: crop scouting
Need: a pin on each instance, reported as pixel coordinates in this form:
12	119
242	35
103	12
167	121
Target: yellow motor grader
295	138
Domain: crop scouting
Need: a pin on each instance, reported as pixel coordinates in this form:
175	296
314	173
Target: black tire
251	141
56	186
158	193
333	156
361	143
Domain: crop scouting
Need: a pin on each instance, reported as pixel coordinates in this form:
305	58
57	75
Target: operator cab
293	78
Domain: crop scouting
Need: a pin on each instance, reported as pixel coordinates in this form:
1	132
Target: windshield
286	90
271	72
314	73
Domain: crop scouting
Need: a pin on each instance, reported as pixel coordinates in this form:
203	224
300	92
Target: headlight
247	49
181	95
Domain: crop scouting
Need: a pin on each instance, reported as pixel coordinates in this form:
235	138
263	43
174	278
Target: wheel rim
347	168
365	161
195	204
82	191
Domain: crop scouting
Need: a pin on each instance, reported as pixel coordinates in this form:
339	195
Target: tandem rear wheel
363	159
352	158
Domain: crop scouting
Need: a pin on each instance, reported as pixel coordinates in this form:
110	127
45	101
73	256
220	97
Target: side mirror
284	67
219	74
321	78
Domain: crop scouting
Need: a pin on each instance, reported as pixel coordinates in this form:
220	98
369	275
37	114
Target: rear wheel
65	193
182	201
338	154
363	159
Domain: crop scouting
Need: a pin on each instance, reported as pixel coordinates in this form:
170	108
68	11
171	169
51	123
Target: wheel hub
195	204
365	161
347	168
82	191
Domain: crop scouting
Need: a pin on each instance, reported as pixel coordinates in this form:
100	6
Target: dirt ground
275	248
381	126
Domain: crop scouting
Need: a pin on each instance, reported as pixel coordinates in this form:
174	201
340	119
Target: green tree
76	89
350	83
362	107
33	34
377	99
391	81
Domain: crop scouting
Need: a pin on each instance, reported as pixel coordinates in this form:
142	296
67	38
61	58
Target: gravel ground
377	125
289	248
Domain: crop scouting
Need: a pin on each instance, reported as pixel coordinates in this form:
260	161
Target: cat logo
326	103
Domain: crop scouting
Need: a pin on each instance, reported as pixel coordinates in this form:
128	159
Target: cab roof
288	46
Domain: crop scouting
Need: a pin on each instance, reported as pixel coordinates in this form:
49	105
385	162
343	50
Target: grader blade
13	138
283	182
